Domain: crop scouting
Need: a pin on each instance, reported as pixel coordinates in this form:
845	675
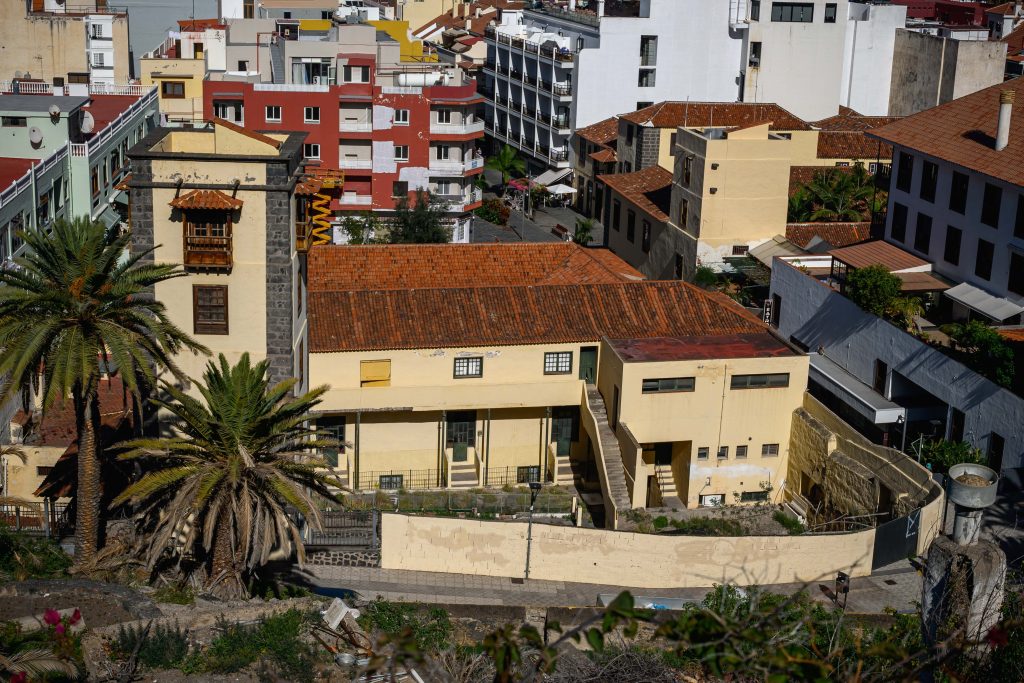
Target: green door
461	434
565	428
588	364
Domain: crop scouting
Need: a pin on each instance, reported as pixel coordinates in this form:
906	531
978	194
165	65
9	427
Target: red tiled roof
58	427
835	234
842	136
12	169
725	114
700	348
484	316
849	120
605	155
649	189
206	199
602	132
424	266
1014	334
308	186
106	108
877	253
276	144
1014	42
1006	9
963	132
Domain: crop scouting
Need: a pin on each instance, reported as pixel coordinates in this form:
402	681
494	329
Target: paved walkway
897	586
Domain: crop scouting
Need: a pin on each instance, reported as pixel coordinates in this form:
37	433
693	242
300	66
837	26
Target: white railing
355	163
475	163
355	200
401	90
126	118
290	87
355	127
79	149
456	129
15	189
26	87
133	89
458	202
458	167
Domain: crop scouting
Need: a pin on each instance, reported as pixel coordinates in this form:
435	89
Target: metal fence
51	520
346	528
395	480
512	476
453	502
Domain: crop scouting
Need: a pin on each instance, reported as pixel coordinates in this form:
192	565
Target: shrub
176	595
164	647
941	455
494	211
708	526
873	289
660	522
432	633
985	351
28	557
705	277
793	526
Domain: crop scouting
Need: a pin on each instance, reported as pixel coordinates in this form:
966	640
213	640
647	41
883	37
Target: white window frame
558	362
272	119
401	117
402	153
309	147
311	110
469	367
447	115
447	152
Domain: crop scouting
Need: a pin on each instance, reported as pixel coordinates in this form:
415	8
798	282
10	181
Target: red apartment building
390	128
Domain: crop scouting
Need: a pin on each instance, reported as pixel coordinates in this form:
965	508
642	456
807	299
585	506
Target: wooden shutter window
375	373
210	309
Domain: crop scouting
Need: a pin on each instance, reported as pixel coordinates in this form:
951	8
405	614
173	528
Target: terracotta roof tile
963	132
605	155
851	145
877	253
602	132
484	316
419	266
206	199
650	189
835	234
726	114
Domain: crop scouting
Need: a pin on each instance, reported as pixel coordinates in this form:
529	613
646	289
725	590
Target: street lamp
534	490
901	420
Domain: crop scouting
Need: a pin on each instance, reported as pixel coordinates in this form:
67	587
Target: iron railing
395	480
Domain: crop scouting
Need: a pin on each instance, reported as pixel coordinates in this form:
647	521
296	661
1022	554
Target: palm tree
69	305
508	163
840	196
584	231
218	488
800	206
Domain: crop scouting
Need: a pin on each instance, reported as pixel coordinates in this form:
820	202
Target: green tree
903	310
942	455
705	276
218	488
507	162
362	229
873	288
801	206
986	351
584	231
841	195
72	304
419	222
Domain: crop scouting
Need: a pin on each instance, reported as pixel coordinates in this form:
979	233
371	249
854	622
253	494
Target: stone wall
280	278
343	557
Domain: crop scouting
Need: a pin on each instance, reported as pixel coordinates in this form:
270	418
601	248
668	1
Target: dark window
558	363
630	226
400	188
755	10
983	261
78	78
684	212
958	192
648	50
616	213
667	385
43	470
332	428
990	205
899	222
830	12
996	444
687	167
210	309
13	121
525	475
756	496
741	452
881	373
679	267
173	89
929	180
645	236
759	381
646	78
769	450
702	453
905	172
1018	226
951	252
629	134
390	482
1015	280
754	58
923	233
469	367
801	12
723	452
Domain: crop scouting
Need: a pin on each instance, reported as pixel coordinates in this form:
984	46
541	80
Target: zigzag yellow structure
315	184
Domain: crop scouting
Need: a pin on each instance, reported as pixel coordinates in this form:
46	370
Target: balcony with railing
452	167
355	200
207	252
355	163
355	127
467	128
522	44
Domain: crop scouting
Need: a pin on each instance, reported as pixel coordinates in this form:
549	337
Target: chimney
1005	112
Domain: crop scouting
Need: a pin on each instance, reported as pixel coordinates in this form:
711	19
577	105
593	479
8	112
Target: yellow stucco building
493	365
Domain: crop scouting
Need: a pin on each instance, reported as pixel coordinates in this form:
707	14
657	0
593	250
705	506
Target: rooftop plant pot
972	493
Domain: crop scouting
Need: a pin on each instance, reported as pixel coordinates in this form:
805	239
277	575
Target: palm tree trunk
224	568
87	488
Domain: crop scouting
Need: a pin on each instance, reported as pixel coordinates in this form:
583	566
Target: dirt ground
101	604
756	520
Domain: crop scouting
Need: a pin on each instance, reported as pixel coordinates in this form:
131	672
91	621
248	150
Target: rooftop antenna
686	112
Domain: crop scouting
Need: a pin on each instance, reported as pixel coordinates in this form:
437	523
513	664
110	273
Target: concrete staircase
609	452
277	62
667	486
564	474
462	475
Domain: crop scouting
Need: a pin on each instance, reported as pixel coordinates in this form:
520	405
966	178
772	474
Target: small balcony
355	200
355	127
208	253
457	129
303	234
356	164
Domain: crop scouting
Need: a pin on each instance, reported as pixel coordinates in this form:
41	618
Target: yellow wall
420	12
23	478
411	50
712	415
618	558
666	152
189	72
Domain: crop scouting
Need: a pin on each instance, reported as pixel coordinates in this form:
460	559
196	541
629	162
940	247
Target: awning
108	216
854	393
561	189
979	300
776	246
206	199
553	176
120	197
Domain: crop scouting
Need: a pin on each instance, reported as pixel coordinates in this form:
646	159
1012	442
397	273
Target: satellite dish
54	111
17	74
88	122
35	136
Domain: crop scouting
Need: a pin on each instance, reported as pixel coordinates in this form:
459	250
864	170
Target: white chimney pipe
1005	112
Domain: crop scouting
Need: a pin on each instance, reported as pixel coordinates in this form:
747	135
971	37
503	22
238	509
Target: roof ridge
259	137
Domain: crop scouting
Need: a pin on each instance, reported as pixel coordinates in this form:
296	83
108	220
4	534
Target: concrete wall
929	70
617	558
188	72
817	316
24	478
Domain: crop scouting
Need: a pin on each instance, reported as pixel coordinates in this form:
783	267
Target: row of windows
768	450
992	195
376	373
798	12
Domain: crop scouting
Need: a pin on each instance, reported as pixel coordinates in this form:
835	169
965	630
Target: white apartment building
811	57
551	70
957	198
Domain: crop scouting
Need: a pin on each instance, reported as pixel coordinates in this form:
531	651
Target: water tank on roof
422	79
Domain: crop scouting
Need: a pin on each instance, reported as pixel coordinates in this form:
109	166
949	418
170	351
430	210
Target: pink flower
76	617
20	677
59	629
51	617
